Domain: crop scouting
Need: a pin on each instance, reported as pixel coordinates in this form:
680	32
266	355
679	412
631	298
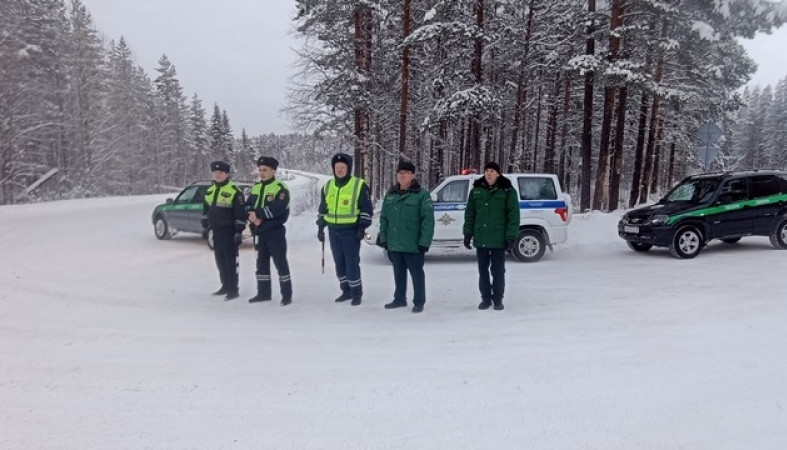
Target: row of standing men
406	228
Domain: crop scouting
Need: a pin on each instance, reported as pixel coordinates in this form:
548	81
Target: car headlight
660	219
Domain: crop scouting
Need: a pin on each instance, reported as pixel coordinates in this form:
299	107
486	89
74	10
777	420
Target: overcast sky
239	53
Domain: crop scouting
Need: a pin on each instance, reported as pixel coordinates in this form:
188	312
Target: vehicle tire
639	247
529	247
686	243
161	228
731	240
779	234
210	238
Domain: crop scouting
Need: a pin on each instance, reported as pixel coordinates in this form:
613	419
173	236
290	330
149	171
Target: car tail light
563	213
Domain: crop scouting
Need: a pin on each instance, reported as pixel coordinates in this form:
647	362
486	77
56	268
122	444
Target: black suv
183	214
723	206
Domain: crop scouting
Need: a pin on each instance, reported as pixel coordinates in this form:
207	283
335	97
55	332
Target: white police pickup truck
544	213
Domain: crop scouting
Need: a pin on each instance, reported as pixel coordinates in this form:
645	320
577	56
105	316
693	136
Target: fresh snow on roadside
110	338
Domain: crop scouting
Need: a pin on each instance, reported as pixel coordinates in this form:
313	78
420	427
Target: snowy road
110	339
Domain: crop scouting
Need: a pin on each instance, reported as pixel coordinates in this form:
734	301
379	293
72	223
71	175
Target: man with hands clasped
223	213
269	209
406	231
492	223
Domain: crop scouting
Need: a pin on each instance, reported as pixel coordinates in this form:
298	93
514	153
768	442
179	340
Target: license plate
631	229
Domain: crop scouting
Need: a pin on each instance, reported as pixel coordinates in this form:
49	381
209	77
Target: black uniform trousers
272	244
491	291
414	263
346	251
226	253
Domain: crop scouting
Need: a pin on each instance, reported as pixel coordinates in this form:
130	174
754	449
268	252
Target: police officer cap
268	161
219	165
406	165
342	157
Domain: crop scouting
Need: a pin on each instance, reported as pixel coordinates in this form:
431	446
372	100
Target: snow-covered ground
110	338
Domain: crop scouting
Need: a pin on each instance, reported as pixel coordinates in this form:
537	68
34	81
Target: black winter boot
484	305
343	298
258	298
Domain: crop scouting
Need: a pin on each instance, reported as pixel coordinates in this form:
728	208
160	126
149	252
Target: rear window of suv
537	189
767	185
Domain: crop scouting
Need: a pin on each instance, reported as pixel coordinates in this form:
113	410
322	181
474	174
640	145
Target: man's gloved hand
321	234
467	242
423	249
509	245
204	222
238	239
360	234
205	231
380	244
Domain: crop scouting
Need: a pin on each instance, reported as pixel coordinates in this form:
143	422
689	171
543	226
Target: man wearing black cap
223	212
269	209
346	209
492	222
406	231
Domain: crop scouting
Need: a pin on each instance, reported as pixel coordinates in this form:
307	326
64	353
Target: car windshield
695	191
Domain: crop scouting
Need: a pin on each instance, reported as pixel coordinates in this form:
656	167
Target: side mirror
170	201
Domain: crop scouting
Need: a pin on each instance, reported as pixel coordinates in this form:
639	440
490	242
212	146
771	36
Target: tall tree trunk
521	92
602	170
549	148
671	167
604	162
537	130
654	186
617	153
587	110
405	82
650	152
363	51
477	70
564	133
639	151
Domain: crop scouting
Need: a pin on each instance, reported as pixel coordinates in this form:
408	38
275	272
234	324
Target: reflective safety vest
342	202
270	192
225	194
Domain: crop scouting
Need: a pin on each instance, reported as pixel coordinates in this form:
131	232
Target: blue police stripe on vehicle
522	205
449	206
530	204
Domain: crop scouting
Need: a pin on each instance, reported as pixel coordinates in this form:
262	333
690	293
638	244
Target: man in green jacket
492	222
406	231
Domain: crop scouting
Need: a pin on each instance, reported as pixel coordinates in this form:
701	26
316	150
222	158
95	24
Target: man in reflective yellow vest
346	209
223	211
269	209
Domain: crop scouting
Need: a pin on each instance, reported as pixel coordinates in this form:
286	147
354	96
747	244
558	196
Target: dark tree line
608	96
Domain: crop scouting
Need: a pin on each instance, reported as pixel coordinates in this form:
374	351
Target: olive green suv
725	206
184	212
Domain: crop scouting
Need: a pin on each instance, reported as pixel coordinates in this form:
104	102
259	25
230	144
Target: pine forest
609	95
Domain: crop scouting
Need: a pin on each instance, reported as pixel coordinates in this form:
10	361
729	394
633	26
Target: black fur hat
494	166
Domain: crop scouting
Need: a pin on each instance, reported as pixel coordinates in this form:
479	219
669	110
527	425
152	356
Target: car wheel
639	247
779	235
161	228
209	239
731	240
529	246
687	243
